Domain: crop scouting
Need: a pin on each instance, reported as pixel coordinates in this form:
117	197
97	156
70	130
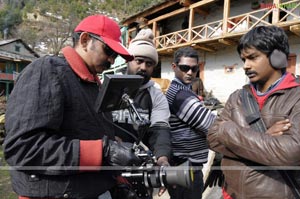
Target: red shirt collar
78	66
288	81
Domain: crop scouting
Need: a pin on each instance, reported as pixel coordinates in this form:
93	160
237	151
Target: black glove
123	191
119	153
215	176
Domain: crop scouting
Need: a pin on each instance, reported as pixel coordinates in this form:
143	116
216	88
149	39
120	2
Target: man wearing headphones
254	140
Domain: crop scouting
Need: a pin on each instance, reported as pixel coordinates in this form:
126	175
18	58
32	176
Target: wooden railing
6	76
236	25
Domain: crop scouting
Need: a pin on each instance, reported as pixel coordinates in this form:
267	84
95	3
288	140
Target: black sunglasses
185	68
108	51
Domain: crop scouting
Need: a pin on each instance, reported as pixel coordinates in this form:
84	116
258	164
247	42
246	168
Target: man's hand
279	127
119	153
162	161
215	176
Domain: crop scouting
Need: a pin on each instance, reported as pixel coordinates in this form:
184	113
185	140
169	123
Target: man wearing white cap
151	103
56	143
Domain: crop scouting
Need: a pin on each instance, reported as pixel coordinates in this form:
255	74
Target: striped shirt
189	122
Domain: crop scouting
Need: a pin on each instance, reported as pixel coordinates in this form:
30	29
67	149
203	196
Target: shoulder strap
254	120
252	112
143	101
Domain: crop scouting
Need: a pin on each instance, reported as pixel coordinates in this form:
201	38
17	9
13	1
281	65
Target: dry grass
6	191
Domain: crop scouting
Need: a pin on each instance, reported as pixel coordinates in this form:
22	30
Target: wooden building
213	27
15	55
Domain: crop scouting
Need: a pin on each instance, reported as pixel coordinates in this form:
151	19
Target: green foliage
10	17
62	17
124	8
55	22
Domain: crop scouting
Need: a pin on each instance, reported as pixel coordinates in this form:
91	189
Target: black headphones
278	59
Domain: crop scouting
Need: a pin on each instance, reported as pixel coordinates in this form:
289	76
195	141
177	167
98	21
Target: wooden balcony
210	36
7	76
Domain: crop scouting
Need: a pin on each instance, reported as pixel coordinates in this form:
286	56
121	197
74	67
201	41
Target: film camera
117	93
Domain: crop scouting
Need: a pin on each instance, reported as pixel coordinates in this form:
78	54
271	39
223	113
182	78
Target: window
17	48
230	69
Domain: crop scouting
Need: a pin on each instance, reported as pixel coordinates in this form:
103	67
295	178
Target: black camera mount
116	93
148	174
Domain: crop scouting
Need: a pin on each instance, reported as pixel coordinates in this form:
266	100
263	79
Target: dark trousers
126	191
195	192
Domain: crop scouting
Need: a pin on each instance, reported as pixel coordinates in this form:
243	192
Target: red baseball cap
108	30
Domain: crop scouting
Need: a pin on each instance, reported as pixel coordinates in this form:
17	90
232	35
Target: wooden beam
185	3
191	23
203	47
275	17
170	14
227	42
170	50
226	14
148	12
155	30
181	10
201	12
201	3
295	29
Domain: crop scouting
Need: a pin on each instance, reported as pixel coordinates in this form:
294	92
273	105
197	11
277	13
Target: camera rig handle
140	149
142	123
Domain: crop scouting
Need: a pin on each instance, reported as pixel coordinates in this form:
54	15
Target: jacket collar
287	81
78	66
147	85
189	86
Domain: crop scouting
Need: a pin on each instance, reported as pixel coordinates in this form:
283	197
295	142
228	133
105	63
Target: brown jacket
246	151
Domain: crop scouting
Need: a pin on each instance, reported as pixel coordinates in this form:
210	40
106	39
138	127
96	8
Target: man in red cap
56	143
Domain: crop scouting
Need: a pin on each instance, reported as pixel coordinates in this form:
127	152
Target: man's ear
173	66
84	39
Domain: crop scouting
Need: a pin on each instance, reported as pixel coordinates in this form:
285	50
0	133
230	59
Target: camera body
149	175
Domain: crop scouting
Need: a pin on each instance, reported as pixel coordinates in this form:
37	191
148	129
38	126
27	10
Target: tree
55	21
47	25
124	8
10	17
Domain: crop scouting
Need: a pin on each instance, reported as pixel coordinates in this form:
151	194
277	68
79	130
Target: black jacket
50	112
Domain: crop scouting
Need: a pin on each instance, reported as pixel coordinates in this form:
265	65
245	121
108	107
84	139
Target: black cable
117	126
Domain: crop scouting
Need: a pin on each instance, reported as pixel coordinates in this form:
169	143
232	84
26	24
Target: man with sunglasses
56	143
150	102
189	122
